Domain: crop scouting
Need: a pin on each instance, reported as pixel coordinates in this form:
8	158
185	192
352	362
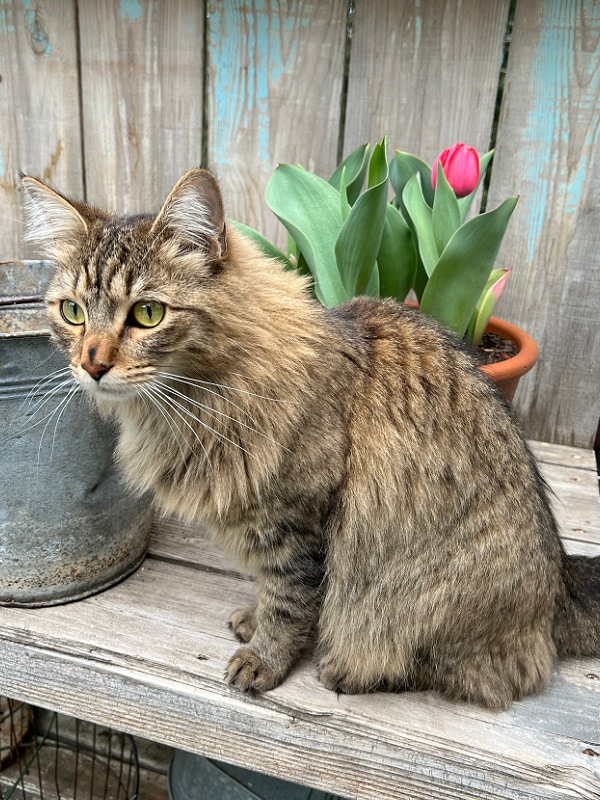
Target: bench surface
147	657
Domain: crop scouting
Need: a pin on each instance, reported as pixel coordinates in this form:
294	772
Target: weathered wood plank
424	72
563	455
130	658
142	89
39	107
547	151
275	75
571	474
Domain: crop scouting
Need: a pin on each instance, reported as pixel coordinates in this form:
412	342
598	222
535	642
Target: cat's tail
577	622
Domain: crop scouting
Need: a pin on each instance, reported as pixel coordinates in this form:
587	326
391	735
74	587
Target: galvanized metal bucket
68	525
193	777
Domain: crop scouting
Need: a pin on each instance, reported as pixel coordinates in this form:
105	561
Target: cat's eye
72	312
147	313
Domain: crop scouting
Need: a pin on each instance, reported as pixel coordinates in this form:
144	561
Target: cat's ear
194	212
52	221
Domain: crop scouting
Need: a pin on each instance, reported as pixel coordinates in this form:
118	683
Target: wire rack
49	757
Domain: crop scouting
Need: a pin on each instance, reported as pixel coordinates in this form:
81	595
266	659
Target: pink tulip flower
461	168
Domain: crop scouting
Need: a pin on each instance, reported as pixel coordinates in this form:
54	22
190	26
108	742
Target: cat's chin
108	395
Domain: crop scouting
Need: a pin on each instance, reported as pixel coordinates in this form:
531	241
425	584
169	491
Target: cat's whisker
203	384
57	413
252	380
158	394
216	414
40	388
178	436
32	411
221	436
27	425
64	403
205	388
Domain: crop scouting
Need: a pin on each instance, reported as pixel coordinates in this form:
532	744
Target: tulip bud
461	168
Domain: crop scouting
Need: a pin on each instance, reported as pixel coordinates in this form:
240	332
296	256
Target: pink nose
95	370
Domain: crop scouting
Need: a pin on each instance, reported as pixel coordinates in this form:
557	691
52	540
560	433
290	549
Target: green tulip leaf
445	215
486	304
355	166
309	207
420	214
359	240
397	257
343	190
402	168
464	267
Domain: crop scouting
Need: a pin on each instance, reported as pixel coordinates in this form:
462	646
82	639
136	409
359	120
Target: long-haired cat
355	458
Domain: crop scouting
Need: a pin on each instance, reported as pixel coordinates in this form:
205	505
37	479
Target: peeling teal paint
37	32
560	158
2	167
242	90
418	24
6	17
131	10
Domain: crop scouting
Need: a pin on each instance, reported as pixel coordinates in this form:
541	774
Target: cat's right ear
194	212
52	221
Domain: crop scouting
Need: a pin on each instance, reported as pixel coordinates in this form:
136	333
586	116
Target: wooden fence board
274	95
424	72
548	152
142	87
39	106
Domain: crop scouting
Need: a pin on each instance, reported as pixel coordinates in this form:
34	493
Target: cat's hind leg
495	675
364	648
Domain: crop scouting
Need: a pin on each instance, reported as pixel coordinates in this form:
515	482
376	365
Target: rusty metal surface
68	525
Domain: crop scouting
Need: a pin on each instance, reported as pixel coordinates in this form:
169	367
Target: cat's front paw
243	624
248	672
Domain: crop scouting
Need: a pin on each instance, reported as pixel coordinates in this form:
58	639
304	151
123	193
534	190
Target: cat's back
410	360
427	427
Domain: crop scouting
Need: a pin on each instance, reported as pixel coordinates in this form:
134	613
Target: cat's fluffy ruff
355	458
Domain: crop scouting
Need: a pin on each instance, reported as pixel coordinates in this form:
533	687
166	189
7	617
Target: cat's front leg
289	598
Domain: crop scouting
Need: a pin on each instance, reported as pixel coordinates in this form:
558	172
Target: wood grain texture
108	97
39	107
424	72
133	660
571	472
142	77
147	657
274	95
548	152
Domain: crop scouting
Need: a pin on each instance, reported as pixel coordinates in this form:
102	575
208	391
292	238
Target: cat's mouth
107	387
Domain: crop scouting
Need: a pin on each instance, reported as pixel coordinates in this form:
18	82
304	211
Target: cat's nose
96	370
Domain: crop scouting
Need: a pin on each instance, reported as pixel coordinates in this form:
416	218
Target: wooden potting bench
147	657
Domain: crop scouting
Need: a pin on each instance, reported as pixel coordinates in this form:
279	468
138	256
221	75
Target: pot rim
527	353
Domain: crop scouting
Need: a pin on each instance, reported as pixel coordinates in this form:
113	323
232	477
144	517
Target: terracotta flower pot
506	374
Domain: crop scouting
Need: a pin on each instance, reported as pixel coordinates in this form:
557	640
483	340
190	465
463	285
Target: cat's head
131	296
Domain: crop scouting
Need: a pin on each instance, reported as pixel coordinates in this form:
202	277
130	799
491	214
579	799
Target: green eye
72	313
147	313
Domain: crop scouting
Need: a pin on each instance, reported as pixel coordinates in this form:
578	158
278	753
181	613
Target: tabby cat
354	458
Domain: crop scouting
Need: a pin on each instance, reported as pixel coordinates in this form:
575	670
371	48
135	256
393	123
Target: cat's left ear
52	220
194	211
